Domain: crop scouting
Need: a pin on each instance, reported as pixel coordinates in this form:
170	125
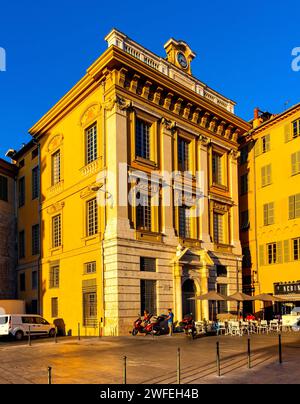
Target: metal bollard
279	348
125	370
55	336
178	366
249	354
49	375
29	336
78	331
218	359
99	329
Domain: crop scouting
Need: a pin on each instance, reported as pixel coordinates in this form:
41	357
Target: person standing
170	319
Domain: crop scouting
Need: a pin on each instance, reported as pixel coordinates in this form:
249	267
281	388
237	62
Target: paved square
151	360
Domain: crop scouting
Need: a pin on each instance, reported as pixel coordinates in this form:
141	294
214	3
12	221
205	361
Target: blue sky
243	50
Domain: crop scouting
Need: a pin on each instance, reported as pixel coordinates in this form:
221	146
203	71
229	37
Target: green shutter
292	207
268	144
294	163
279	252
287	133
262	255
271	213
266	215
263	176
297	205
269	174
257	147
286	247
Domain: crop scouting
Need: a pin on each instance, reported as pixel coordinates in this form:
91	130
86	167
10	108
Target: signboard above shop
287	288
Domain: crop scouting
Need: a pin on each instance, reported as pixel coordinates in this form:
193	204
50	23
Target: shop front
290	293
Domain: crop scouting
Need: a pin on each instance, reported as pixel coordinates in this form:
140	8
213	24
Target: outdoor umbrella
240	297
264	297
211	296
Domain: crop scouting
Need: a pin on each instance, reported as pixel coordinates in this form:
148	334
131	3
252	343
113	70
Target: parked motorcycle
142	326
158	325
188	325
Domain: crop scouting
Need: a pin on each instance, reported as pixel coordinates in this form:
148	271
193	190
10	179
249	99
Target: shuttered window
91	144
89	303
217	169
184	222
143	213
296	249
54	307
286	248
54	276
287	133
56	231
294	206
35	183
296	128
56	168
295	162
147	264
35	239
3	188
274	251
266	175
142	139
92	217
183	154
265	143
268	214
218	228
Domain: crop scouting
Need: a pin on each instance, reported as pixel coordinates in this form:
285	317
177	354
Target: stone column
234	214
178	291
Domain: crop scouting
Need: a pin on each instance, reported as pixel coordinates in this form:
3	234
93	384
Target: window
34	280
35	183
148	296
56	231
143	213
245	220
54	307
92	217
296	249
294	206
244	184
183	154
21	192
244	154
266	175
56	168
34	153
147	264
272	253
184	222
296	128
35	239
265	143
295	160
222	305
268	213
54	276
142	139
3	188
22	244
90	267
90	309
217	170
221	271
218	228
91	144
22	282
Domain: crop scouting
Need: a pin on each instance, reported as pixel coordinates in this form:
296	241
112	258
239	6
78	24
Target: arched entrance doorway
188	290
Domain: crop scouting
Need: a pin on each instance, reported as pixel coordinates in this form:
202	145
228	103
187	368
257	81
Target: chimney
256	113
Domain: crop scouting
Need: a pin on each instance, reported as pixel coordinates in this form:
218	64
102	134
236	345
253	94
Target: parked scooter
188	325
142	326
158	325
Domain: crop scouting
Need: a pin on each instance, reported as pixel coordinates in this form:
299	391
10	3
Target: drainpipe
255	221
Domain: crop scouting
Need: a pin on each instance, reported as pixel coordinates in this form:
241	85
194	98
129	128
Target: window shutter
298	162
257	147
286	247
294	163
262	255
292	207
266	214
297	205
263	176
279	252
271	213
269	174
268	144
287	133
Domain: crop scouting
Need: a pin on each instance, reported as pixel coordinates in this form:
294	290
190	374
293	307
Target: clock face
182	60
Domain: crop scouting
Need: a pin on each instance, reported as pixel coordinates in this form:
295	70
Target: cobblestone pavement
151	360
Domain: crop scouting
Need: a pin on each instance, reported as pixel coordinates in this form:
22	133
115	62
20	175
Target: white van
19	325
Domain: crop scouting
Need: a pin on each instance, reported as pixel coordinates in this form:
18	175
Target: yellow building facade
270	205
122	229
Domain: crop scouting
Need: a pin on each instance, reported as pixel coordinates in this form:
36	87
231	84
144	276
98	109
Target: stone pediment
190	256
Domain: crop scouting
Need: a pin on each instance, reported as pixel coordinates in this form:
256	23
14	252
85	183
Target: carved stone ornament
234	154
55	208
170	125
204	140
90	114
55	142
121	102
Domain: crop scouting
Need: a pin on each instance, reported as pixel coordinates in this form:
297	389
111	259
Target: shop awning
290	298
